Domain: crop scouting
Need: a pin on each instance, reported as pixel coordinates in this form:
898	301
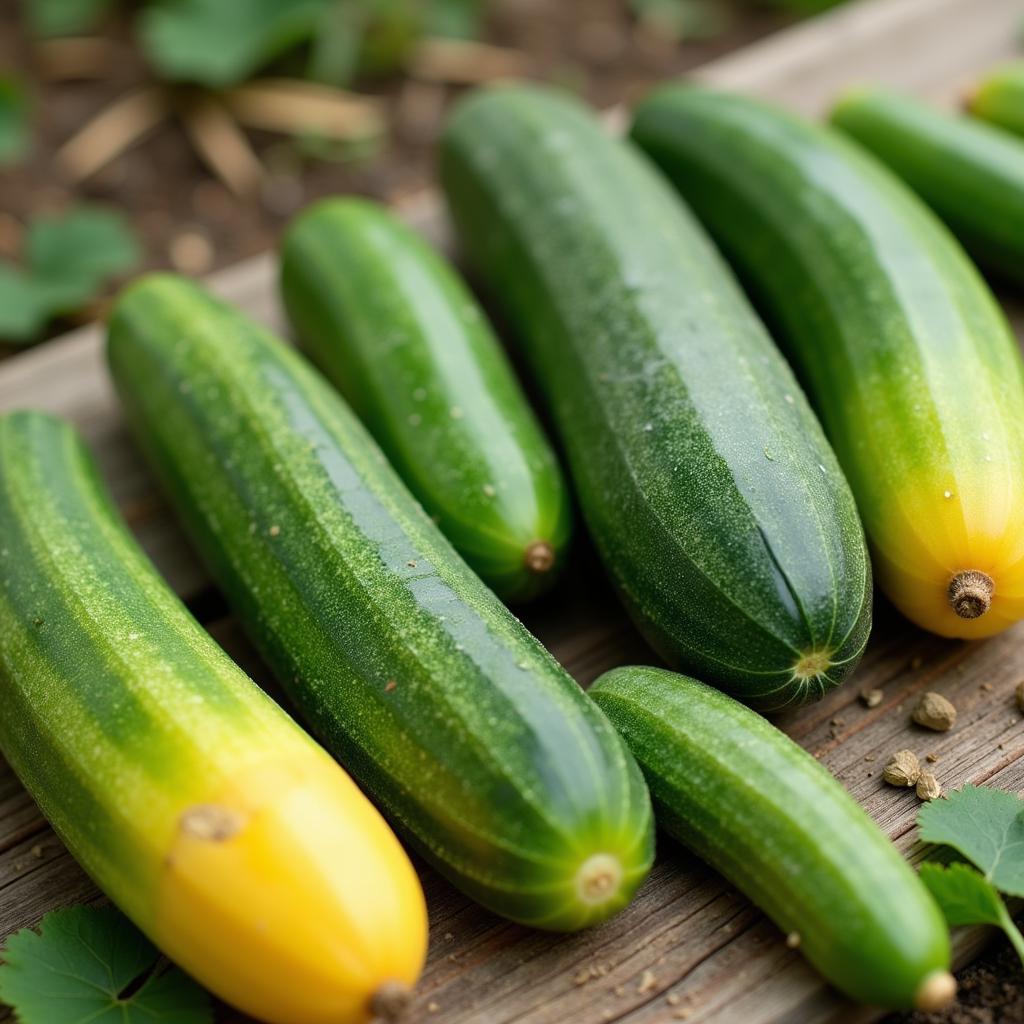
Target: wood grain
689	947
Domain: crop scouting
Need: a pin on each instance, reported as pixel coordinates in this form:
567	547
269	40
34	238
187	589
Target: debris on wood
935	712
903	769
928	787
647	982
112	131
871	698
931	758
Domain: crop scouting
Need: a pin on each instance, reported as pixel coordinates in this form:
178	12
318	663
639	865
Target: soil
991	992
187	219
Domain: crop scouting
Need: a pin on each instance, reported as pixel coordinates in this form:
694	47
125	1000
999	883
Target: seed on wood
931	758
673	999
935	712
870	757
433	1007
871	698
647	982
928	787
903	769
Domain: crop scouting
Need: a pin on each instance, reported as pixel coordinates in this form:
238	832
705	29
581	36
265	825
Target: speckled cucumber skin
713	497
396	330
457	722
969	173
1000	98
903	349
126	721
759	809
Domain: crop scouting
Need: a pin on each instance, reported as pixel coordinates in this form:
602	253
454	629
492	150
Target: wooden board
689	947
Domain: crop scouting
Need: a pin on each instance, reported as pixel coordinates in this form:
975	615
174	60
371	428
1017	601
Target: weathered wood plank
689	946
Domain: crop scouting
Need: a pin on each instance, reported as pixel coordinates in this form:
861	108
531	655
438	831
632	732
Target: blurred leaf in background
14	120
221	42
680	20
67	260
64	17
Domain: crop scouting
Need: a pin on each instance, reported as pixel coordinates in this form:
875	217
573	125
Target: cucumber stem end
539	557
390	1002
937	990
812	664
598	879
970	593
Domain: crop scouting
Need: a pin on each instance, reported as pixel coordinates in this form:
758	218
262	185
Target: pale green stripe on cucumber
759	809
455	720
706	481
401	336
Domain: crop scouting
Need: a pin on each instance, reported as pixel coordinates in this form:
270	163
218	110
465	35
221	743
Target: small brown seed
934	711
931	758
903	769
871	698
928	787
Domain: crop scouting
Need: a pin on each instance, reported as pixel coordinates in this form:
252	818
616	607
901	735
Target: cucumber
714	499
401	336
970	174
193	801
453	718
902	347
759	809
1000	98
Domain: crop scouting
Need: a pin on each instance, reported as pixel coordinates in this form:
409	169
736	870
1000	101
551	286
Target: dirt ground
189	220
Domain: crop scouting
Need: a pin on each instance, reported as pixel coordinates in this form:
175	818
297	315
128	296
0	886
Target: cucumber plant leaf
218	44
68	258
89	965
987	827
65	17
14	121
984	825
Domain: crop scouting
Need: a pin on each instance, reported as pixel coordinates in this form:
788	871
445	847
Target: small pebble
903	769
935	712
928	787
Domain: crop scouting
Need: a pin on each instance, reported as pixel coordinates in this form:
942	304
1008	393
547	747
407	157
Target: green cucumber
457	722
999	98
714	499
969	173
191	798
904	350
759	809
401	336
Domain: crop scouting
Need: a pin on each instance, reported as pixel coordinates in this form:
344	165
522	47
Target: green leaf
967	897
455	19
216	43
23	310
65	17
78	966
71	256
984	825
14	123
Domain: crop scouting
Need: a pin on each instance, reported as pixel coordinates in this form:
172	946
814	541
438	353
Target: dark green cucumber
911	363
969	173
999	98
759	809
705	479
457	722
402	337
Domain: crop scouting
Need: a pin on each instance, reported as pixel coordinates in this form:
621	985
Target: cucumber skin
450	715
395	329
906	355
760	810
725	535
80	606
970	174
999	99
